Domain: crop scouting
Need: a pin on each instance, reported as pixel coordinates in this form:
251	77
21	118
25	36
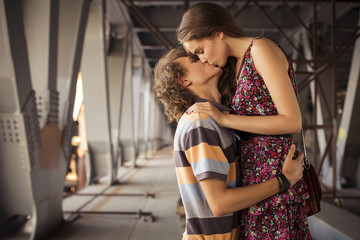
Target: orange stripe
232	172
185	175
204	150
226	236
196	116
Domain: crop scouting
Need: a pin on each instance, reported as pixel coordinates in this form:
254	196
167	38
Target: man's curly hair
175	98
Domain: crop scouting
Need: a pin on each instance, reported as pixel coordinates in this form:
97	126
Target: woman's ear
184	82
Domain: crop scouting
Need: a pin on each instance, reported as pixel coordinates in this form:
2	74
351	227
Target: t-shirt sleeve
203	151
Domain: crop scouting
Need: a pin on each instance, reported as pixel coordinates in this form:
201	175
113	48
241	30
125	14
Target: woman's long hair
203	21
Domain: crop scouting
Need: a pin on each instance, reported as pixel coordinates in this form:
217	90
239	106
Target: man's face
198	73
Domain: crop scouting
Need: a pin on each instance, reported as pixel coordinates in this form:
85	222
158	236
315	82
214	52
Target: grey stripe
199	209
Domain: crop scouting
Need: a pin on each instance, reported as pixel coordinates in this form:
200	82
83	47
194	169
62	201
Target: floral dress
282	216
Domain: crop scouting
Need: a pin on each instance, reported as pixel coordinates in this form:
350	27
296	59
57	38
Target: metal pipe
334	116
242	8
327	147
147	23
346	47
319	70
314	126
312	34
322	93
315	85
152	195
279	29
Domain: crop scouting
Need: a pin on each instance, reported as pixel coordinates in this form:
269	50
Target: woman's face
200	74
212	51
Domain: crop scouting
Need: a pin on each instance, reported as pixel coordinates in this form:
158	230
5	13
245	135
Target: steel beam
18	118
349	105
279	29
136	12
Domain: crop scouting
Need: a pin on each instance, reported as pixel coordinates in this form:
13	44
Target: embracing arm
272	65
235	199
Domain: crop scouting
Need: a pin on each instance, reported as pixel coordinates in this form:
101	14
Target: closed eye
194	58
199	51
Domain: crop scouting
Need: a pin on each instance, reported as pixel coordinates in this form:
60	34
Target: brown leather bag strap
306	160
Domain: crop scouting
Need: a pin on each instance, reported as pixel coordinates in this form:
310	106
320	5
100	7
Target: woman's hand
293	167
209	109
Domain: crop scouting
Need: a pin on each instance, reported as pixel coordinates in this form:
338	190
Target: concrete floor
155	176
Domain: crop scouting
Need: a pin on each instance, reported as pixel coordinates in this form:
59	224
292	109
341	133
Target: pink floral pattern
282	216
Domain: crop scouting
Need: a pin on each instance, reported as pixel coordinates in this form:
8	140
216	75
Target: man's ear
184	82
220	35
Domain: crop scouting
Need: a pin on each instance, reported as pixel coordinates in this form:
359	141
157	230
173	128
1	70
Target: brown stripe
180	159
210	174
199	135
209	226
230	153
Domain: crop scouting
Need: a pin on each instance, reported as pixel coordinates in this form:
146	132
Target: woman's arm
235	199
272	65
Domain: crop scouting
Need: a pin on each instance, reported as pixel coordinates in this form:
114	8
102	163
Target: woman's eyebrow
196	50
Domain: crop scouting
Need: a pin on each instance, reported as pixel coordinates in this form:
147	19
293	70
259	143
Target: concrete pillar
116	67
95	86
126	135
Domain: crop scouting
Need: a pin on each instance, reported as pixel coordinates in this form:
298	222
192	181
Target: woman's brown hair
204	20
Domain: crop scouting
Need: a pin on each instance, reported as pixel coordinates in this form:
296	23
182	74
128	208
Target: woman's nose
203	59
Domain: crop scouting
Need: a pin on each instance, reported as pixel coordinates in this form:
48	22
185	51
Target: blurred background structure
85	151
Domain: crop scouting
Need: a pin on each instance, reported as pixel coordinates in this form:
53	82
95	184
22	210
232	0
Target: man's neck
213	96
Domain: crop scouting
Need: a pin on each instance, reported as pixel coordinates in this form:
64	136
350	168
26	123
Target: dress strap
243	58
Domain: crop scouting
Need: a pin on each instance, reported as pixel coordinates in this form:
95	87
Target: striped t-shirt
204	150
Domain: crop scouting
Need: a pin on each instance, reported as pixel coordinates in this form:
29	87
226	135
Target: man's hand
293	168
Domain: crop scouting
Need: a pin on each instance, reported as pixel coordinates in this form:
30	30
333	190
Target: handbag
313	184
312	181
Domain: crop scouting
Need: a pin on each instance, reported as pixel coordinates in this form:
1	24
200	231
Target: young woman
266	110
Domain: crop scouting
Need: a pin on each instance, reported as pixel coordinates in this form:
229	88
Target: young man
205	153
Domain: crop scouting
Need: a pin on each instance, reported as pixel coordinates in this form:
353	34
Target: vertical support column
95	85
126	126
39	140
152	121
72	24
116	67
321	137
314	85
346	117
41	20
19	129
335	182
146	116
137	82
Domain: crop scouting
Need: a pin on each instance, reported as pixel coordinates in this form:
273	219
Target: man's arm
223	200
